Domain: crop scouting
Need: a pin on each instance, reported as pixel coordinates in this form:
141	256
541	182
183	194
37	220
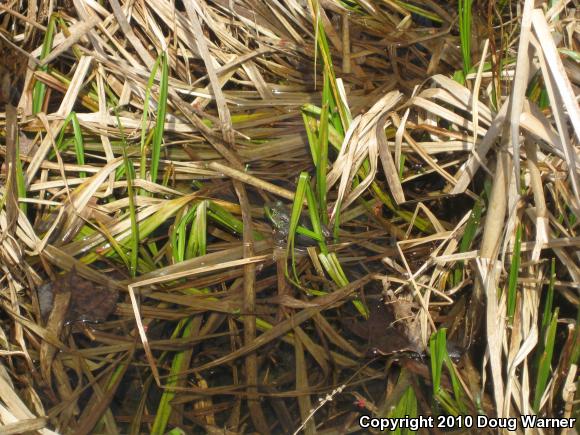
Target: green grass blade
322	43
439	356
575	354
310	127
513	278
465	17
134	241
468	235
146	138
20	182
115	248
420	11
227	220
112	383
160	124
549	297
146	227
299	196
335	137
197	243
328	260
78	142
421	224
178	234
406	408
315	212
63	140
39	90
164	409
544	367
322	163
436	361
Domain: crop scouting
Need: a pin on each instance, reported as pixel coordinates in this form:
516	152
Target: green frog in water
279	215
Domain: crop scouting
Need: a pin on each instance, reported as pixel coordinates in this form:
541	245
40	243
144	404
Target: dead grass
457	204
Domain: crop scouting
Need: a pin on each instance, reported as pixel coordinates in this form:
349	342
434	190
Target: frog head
278	214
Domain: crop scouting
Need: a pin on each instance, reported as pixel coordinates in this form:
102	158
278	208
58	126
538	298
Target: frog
279	213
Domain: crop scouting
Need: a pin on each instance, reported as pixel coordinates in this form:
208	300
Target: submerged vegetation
277	217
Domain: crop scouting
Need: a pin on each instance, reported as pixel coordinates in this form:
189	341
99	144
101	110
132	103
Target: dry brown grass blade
286	325
54	326
95	411
519	84
17	411
131	37
23	426
249	269
77	31
469	168
361	142
304	402
559	90
389	166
